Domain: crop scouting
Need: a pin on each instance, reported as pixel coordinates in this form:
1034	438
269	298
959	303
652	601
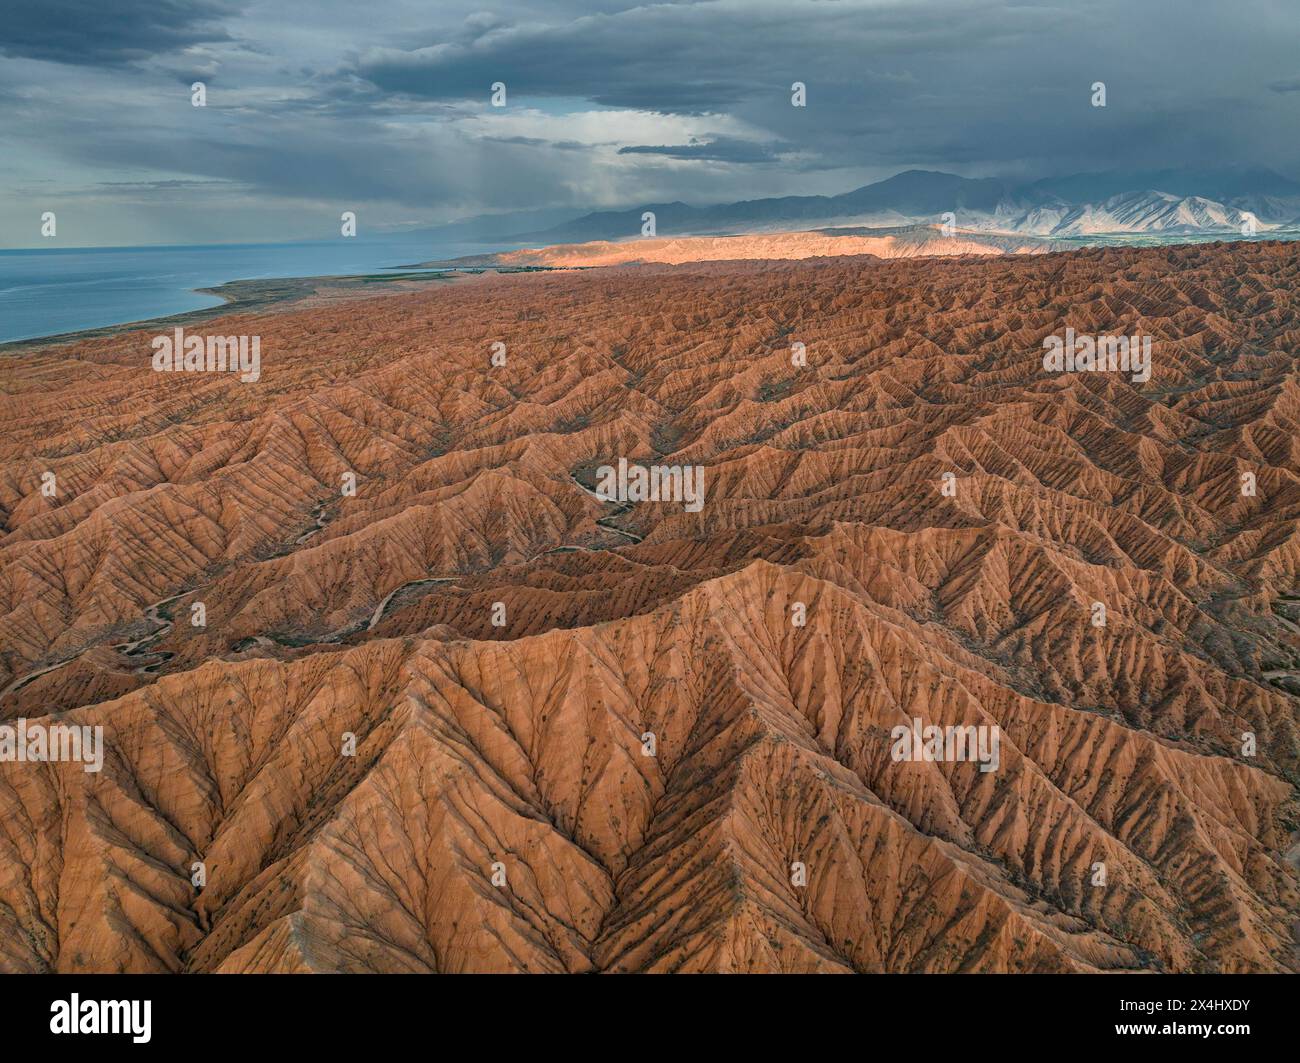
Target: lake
48	291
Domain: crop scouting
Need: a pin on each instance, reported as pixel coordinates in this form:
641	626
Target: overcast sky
383	106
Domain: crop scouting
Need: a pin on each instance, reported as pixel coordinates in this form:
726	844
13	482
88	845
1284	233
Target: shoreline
284	293
277	293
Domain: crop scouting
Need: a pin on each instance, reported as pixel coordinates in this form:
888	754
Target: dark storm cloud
684	59
110	32
537	142
172	185
712	149
313	103
988	84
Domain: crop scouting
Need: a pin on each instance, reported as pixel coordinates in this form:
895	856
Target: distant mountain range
1168	202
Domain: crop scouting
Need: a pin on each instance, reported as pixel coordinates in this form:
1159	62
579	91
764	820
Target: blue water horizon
48	291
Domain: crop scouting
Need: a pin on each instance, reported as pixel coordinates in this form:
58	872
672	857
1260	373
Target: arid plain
939	512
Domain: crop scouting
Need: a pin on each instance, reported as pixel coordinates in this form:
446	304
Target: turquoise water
45	292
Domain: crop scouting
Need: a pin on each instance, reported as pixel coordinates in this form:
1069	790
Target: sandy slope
788	245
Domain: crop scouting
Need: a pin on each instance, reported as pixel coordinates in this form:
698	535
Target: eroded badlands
499	813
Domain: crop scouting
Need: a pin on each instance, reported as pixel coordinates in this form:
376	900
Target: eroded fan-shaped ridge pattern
500	813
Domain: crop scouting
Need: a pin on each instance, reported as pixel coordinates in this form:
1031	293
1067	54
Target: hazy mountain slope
1139	212
1137	201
